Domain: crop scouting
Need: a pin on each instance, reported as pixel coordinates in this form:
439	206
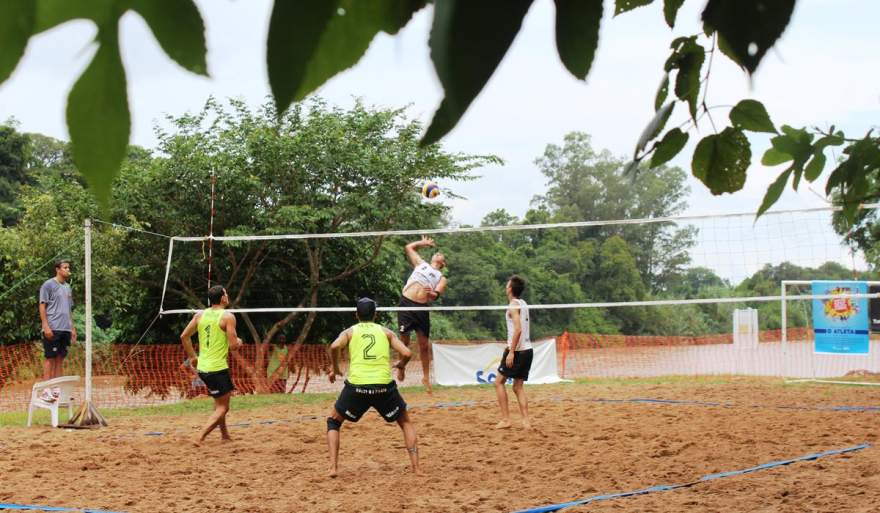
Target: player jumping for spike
424	285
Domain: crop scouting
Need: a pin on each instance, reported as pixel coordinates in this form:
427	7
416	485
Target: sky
822	71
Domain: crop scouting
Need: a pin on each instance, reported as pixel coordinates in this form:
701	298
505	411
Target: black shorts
58	345
522	364
219	383
355	400
419	322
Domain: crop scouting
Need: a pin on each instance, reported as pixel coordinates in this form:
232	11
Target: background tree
584	184
314	169
14	155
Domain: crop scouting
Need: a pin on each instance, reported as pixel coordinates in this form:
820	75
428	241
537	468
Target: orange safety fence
138	375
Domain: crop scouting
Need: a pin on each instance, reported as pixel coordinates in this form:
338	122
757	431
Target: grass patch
200	406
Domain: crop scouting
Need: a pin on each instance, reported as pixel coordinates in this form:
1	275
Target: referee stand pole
88	415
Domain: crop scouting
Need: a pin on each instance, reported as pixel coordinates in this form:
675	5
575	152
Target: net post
784	335
167	271
88	415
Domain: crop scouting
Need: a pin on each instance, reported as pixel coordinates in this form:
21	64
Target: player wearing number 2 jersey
369	382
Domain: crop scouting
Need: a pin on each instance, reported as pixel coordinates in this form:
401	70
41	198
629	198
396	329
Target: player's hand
508	362
427	241
401	374
47	332
238	343
73	336
194	363
331	376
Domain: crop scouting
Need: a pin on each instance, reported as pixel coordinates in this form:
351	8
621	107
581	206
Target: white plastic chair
66	385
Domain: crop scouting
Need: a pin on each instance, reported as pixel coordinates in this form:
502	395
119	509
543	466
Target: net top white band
511	227
560	306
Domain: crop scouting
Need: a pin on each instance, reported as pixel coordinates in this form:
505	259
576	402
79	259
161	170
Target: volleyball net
694	274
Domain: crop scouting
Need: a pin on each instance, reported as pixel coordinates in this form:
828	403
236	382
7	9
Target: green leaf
51	13
98	117
181	34
687	56
828	140
749	27
310	42
862	160
16	26
794	142
774	157
577	34
295	30
814	167
654	127
670	11
662	92
817	164
720	161
468	40
774	192
751	115
622	6
670	146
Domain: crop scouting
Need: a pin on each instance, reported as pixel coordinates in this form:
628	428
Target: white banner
456	365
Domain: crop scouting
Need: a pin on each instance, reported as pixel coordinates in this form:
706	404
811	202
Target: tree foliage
311	41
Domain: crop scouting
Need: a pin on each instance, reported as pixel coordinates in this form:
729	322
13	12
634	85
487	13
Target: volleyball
430	190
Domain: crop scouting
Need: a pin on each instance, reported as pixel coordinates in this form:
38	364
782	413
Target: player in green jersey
369	382
216	329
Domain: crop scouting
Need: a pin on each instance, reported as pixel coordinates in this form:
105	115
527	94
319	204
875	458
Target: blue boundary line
707	477
734	405
32	507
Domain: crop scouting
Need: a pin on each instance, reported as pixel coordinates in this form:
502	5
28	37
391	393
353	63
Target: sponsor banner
456	365
875	308
841	324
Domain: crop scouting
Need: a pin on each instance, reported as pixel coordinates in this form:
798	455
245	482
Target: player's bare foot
427	383
418	472
503	424
526	424
226	439
332	473
197	442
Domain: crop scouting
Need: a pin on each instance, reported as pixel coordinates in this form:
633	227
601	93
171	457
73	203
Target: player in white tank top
425	275
425	284
516	362
525	342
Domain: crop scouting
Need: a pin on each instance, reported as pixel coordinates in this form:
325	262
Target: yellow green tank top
213	346
369	352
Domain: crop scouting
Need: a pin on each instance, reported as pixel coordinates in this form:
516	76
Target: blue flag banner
841	324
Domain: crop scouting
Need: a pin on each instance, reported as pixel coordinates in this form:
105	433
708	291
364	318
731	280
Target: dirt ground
580	447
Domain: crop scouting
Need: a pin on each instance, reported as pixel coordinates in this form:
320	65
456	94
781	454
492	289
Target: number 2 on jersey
372	339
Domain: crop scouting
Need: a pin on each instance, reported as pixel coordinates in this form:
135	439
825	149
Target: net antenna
211	226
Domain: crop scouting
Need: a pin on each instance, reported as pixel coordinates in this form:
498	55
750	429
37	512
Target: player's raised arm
412	253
